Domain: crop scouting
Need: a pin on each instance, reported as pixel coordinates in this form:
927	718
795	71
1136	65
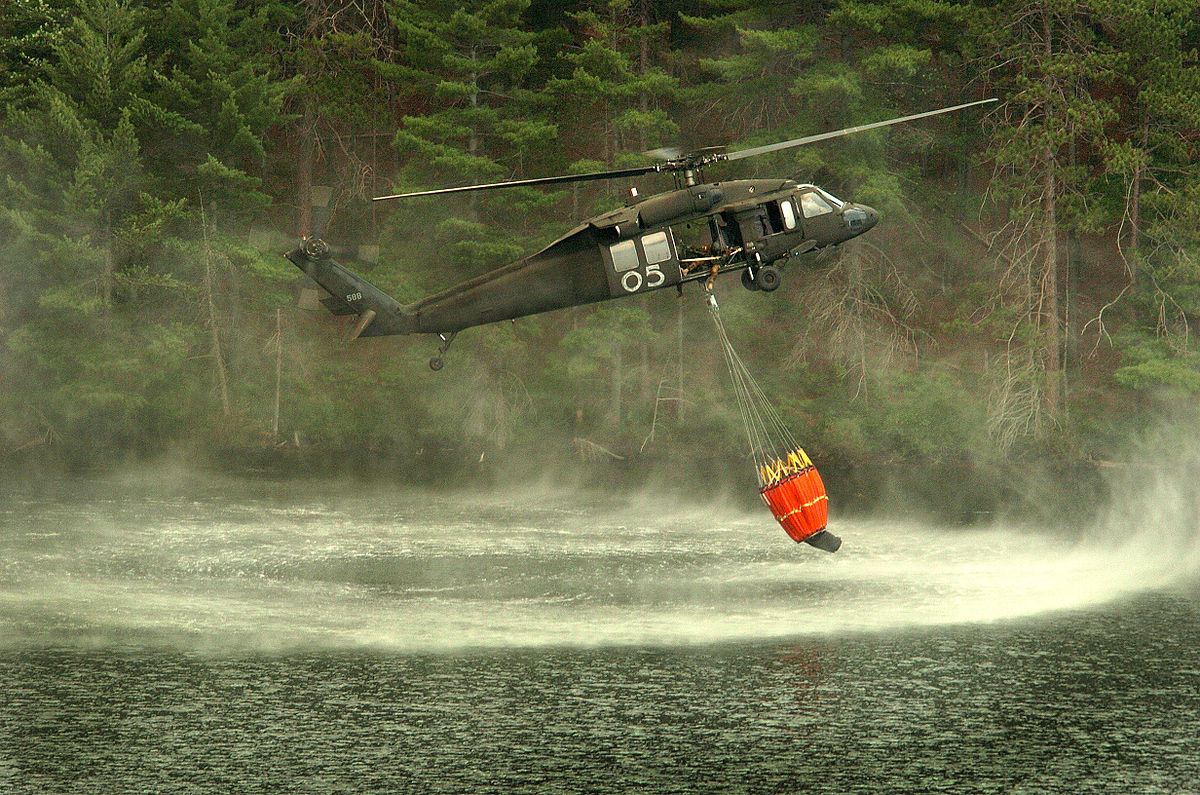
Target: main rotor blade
621	172
762	150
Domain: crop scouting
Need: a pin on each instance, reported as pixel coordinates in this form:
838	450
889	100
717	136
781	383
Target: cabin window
789	214
624	256
656	247
813	204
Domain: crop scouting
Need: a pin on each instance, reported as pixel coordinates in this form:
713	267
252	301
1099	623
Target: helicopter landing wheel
446	337
748	280
768	278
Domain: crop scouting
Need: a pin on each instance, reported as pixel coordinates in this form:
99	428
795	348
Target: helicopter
753	225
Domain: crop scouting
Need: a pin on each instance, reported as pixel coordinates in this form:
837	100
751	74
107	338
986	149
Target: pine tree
73	174
617	90
101	210
343	111
218	93
910	56
75	166
1152	159
756	60
466	67
28	29
1048	58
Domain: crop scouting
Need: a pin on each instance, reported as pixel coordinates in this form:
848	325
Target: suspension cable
769	439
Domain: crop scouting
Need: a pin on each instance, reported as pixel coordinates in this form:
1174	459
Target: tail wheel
748	280
768	278
436	363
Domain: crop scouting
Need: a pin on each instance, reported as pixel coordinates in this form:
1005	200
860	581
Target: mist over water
214	566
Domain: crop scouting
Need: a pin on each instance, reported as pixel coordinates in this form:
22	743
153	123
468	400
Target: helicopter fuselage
750	225
634	249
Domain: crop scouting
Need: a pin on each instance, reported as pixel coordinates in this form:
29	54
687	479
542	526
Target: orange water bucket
799	503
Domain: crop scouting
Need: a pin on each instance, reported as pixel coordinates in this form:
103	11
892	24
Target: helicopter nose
859	218
872	216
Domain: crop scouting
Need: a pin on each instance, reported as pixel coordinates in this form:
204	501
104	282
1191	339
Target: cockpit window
829	197
814	204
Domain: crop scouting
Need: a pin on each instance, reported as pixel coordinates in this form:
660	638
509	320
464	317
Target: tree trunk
1048	298
679	403
643	65
473	139
214	324
304	171
278	368
1135	201
1052	332
215	328
617	383
106	278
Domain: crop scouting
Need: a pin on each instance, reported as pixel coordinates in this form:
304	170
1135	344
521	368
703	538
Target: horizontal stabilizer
363	321
824	540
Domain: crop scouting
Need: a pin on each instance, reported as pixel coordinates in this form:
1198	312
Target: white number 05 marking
632	281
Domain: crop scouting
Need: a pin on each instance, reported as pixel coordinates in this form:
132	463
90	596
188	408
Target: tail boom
378	313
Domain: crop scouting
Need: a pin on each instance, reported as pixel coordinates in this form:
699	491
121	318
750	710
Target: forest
1019	320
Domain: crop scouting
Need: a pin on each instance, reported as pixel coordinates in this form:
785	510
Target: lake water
174	634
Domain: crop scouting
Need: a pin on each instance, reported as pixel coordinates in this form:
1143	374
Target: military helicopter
752	226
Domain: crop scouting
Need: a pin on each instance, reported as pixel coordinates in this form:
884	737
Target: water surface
188	636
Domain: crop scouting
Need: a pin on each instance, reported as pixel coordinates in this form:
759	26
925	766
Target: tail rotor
312	242
339	290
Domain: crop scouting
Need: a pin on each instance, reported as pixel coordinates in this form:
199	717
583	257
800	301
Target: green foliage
615	86
758	80
933	416
220	91
102	217
29	31
1151	363
471	62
